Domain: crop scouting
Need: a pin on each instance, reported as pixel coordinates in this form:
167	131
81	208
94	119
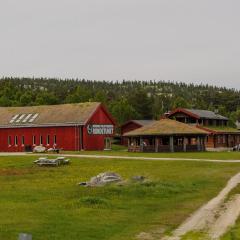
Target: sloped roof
166	127
219	129
139	122
207	114
48	115
144	122
201	113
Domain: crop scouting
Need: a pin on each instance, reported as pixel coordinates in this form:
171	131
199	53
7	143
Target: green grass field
48	203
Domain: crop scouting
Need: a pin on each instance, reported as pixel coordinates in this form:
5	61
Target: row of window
15	140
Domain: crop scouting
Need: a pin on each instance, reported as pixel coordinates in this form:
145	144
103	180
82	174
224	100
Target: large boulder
103	179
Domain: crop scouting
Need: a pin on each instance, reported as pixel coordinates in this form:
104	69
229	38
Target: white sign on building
100	129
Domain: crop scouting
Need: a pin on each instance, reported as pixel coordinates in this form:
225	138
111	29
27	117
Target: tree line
124	99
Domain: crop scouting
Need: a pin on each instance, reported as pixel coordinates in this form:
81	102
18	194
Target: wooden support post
204	143
156	144
171	143
198	143
185	144
141	144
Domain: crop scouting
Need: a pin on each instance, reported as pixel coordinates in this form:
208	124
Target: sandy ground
206	218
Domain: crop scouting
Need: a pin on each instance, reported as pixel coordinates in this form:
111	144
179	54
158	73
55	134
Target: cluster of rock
108	177
102	179
42	149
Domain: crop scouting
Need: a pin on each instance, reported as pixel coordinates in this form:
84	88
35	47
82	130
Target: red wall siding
96	142
67	137
127	128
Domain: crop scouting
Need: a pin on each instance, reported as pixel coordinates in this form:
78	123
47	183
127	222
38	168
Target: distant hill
125	99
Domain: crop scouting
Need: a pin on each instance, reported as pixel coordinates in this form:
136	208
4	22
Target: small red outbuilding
72	127
132	125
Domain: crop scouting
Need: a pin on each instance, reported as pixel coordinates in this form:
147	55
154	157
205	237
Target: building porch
166	143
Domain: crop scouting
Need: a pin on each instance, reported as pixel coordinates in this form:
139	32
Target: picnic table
44	161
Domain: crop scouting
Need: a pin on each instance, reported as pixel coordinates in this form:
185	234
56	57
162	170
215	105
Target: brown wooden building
166	135
216	125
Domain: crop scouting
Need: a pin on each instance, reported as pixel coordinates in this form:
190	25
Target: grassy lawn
48	203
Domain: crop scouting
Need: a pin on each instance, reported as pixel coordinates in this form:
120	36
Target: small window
33	118
9	141
55	139
16	140
27	117
34	140
48	139
20	118
14	118
23	140
41	140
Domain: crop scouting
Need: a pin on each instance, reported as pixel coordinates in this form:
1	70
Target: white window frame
48	139
41	140
23	140
34	140
55	139
15	140
9	141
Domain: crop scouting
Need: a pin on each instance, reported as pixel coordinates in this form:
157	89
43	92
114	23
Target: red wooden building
220	135
132	125
72	127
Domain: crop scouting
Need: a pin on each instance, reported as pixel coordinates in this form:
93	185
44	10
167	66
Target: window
33	118
9	141
220	139
20	118
16	140
23	140
41	140
34	140
27	117
54	139
48	139
14	118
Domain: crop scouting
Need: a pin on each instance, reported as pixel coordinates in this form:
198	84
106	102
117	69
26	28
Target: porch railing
166	148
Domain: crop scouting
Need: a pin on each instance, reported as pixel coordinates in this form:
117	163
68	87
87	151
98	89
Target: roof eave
43	125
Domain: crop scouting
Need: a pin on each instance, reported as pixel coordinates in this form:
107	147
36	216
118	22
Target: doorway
107	143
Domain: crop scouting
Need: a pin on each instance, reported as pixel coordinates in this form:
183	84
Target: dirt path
123	157
205	217
227	218
150	158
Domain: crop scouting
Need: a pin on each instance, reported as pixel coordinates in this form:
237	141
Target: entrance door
107	143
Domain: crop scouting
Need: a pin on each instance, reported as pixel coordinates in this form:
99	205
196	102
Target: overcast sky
182	40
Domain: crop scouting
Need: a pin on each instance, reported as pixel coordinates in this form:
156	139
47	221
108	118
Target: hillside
125	99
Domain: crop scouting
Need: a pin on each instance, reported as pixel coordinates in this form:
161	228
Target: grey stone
103	179
39	149
25	236
138	178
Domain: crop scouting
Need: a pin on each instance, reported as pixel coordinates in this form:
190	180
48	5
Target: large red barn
72	127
